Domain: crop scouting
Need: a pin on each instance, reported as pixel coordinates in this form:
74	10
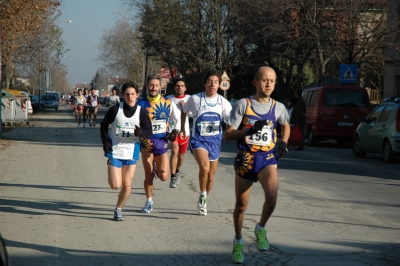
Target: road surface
56	207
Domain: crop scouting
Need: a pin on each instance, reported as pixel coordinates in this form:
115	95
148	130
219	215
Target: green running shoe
262	241
237	252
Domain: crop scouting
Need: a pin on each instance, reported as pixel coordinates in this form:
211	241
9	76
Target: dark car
34	101
333	112
49	101
103	100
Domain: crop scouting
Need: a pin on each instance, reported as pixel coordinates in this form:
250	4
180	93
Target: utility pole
146	59
0	84
40	81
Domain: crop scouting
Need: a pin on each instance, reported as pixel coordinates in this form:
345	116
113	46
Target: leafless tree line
31	44
303	40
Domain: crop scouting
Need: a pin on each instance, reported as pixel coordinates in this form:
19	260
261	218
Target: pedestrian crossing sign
348	73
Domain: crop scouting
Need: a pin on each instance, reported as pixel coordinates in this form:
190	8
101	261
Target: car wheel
312	141
388	155
358	152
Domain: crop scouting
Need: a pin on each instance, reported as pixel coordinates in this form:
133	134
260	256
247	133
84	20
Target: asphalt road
56	207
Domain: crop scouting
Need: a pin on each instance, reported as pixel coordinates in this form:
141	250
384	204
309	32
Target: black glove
172	135
138	131
258	125
282	149
107	147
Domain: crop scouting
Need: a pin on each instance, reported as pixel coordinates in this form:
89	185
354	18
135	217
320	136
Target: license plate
345	124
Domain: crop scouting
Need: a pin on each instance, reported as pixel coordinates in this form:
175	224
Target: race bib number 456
261	138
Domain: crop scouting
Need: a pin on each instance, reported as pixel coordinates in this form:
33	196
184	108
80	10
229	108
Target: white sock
118	209
238	241
258	227
203	193
150	199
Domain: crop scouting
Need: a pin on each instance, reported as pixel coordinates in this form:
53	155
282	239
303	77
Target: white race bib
94	103
125	133
159	126
260	138
209	128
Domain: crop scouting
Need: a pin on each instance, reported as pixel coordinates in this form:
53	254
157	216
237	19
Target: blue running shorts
213	148
154	145
119	162
247	164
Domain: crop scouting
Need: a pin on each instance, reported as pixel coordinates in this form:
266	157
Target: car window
345	97
385	113
305	97
313	102
49	97
376	113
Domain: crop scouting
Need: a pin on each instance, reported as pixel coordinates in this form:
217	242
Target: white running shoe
148	207
174	182
202	205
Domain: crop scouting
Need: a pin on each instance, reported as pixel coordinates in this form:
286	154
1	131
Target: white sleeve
192	105
226	111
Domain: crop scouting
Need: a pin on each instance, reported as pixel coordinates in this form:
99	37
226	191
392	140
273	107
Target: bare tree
20	19
120	50
189	35
304	40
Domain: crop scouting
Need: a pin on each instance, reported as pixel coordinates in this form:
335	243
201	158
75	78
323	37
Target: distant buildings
82	86
114	82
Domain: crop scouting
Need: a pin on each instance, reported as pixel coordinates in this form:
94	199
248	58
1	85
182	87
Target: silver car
380	132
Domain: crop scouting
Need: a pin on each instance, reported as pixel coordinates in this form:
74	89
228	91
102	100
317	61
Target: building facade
392	52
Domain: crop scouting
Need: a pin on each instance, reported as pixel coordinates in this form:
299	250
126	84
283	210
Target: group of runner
85	105
152	124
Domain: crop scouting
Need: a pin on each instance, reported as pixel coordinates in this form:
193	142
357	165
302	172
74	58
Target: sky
82	35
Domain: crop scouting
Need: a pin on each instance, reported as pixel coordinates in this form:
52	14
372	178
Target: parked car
49	100
4	258
34	101
334	112
380	132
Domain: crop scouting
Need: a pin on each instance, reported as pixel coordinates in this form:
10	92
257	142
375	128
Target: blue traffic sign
348	73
